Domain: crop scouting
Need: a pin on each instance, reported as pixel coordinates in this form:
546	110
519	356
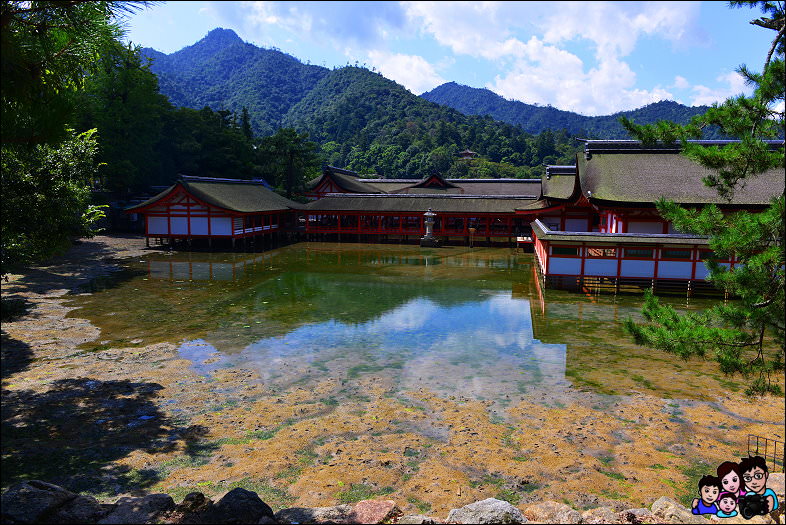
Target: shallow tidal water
470	322
325	373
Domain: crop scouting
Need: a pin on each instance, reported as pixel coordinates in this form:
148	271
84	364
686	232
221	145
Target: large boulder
336	514
146	509
777	482
671	511
33	501
366	511
637	516
600	515
82	509
416	519
489	510
240	506
374	511
552	512
195	509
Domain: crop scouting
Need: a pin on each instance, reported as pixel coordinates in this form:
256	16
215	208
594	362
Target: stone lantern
428	240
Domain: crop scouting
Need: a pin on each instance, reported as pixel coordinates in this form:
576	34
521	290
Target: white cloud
614	27
680	83
411	71
540	70
734	85
556	77
468	28
344	25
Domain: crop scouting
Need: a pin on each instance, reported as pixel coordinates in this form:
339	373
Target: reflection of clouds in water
483	348
414	314
504	305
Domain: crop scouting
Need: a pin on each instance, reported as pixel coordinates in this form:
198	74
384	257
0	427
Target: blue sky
594	58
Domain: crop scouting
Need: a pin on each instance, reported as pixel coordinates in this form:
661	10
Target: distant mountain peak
219	38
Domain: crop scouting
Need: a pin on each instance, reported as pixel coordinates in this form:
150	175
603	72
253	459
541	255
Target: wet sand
140	419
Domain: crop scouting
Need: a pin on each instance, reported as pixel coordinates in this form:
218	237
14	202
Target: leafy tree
46	195
289	159
739	335
47	48
121	100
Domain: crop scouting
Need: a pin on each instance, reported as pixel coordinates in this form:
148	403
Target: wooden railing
771	450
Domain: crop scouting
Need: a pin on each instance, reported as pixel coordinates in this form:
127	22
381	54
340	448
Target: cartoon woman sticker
731	478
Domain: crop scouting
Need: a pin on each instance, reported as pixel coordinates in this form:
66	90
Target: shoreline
213	448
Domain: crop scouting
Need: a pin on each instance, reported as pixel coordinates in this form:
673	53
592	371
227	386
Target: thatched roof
418	203
347	180
241	196
625	172
559	183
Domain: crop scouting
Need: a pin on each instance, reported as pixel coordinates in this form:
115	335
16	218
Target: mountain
223	72
370	124
534	119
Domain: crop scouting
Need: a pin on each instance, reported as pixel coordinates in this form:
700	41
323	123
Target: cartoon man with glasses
755	474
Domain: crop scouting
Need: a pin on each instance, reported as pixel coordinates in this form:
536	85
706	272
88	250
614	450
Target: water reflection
481	347
475	322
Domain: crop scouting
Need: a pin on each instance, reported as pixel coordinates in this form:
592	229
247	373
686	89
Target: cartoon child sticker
709	490
754	474
727	505
731	478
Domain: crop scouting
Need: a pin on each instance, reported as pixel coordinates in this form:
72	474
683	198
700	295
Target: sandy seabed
140	419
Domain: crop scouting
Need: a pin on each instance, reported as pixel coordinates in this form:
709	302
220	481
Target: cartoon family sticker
738	489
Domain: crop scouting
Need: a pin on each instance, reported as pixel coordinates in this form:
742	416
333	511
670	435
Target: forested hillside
534	119
223	72
361	120
373	125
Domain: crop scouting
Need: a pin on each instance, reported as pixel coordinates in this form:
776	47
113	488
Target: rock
552	511
267	520
82	509
33	501
489	510
637	516
671	511
337	514
193	502
240	506
139	510
373	511
194	509
777	482
416	519
600	515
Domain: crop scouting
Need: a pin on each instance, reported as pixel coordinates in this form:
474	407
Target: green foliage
744	336
290	160
361	120
121	100
47	170
223	72
372	125
46	49
146	141
46	198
